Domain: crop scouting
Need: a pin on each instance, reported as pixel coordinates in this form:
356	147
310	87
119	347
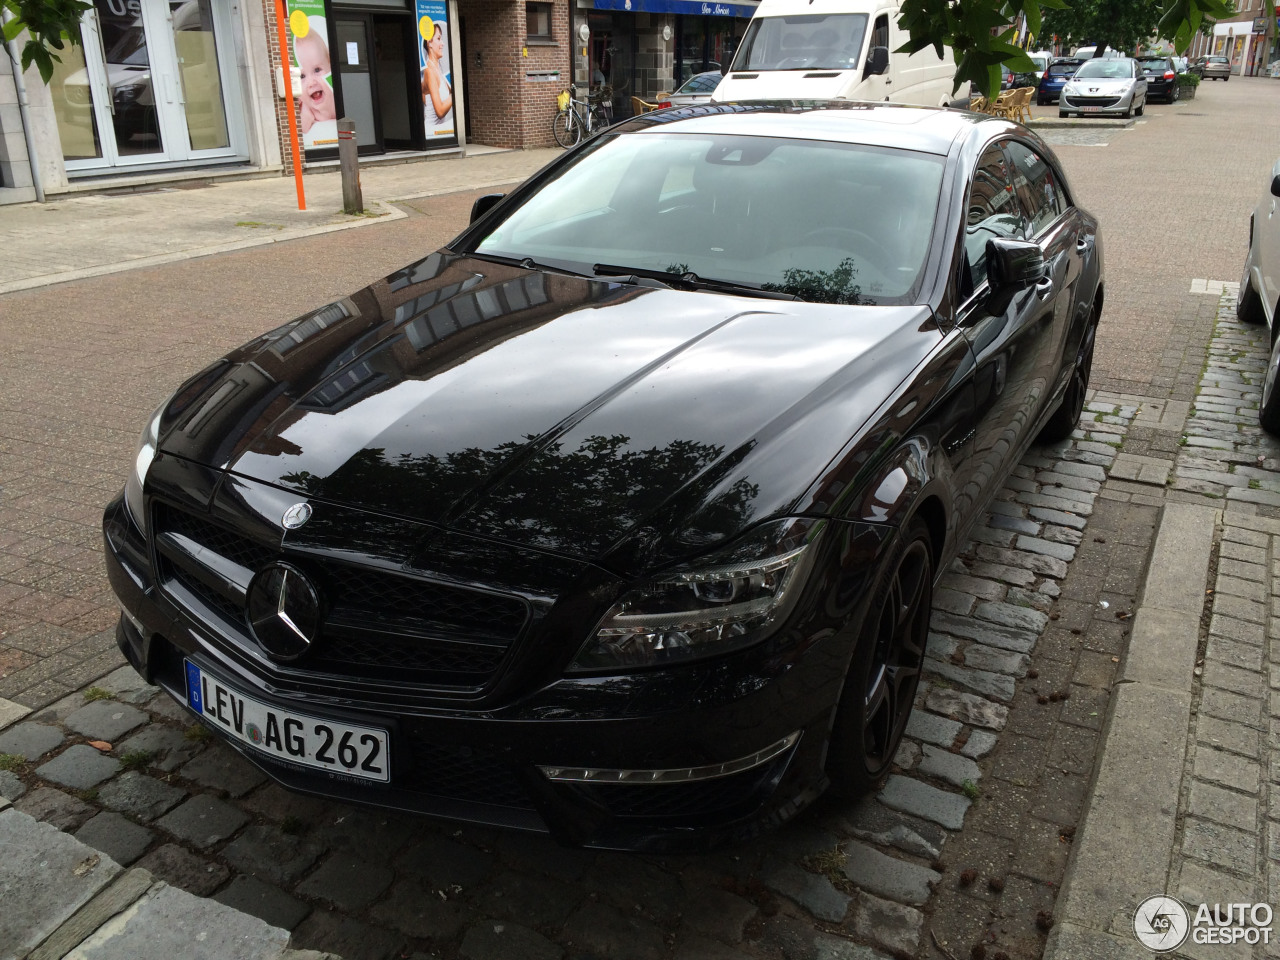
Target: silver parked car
1105	87
697	89
1260	291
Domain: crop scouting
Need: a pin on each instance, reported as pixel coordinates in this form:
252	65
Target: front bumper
1096	106
485	763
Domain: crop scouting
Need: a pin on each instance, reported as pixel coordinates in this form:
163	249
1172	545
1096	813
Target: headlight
720	604
141	464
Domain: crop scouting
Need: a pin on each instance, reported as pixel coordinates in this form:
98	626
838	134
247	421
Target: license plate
342	749
1092	109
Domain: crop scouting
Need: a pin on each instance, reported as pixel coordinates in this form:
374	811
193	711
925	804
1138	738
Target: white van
833	50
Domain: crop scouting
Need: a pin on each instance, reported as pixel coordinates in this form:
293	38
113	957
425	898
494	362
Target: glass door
358	80
150	86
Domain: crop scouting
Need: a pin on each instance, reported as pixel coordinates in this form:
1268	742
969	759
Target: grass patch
969	789
1255	484
136	759
11	761
197	733
98	693
255	224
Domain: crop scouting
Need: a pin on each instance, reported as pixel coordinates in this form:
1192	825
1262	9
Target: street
971	841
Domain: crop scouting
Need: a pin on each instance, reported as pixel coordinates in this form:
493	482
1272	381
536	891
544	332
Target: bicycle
579	118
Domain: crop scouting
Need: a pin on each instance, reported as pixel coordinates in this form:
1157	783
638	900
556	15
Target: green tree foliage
50	24
981	35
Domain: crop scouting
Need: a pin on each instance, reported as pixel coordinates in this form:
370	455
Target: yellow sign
299	23
426	27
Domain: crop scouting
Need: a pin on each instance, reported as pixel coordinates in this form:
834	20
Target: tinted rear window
1154	66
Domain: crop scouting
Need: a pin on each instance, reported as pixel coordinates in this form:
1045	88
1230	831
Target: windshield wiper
685	281
527	262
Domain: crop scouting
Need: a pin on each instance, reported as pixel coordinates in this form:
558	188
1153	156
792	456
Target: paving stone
813	892
223	769
873	871
1049	548
139	796
1223	806
536	901
876	823
719	914
967	708
263	901
1237	607
1240	587
45	877
1081	470
30	740
893	926
1244	682
419	913
1009	615
1242	551
271	854
1015	576
55	807
602	929
11	785
105	720
442	863
932	728
979	744
952	601
79	767
994	685
1234	653
506	941
951	767
1017	524
168	746
1219	845
1235	737
694	946
349	883
1227	769
1231	706
340	936
1039	599
907	755
963	583
1042	564
981	657
203	821
993	635
921	800
1242	630
184	870
1060	517
119	838
127	686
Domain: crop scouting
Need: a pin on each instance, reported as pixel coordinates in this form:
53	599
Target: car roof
896	125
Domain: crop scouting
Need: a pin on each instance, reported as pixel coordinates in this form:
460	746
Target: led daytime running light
675	775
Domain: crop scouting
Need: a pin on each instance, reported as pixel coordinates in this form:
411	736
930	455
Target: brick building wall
505	106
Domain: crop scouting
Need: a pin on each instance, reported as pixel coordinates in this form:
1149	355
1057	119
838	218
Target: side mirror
1013	265
877	62
484	204
1275	185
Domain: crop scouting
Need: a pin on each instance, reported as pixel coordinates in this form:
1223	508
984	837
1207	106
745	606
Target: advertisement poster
434	59
313	75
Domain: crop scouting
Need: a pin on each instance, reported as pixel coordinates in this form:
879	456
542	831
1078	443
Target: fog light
676	775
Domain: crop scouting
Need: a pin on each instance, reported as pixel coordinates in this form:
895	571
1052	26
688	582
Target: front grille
1091	101
461	773
379	625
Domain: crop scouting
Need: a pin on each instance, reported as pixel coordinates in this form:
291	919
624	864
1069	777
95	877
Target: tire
567	127
1139	111
880	687
1062	114
1128	112
1067	417
1269	409
1249	305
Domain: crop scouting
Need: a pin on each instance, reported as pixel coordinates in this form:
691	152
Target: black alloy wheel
1067	417
1269	408
880	688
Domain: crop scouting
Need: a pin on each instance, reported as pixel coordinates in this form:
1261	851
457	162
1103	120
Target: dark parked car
1259	295
1162	77
1051	84
619	517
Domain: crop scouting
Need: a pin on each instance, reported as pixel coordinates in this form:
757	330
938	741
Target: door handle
1084	244
1044	288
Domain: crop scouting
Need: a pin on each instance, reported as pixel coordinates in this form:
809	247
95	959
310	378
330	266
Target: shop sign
313	88
434	62
696	8
1260	25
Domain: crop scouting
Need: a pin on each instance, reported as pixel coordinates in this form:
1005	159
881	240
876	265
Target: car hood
784	85
1103	84
551	411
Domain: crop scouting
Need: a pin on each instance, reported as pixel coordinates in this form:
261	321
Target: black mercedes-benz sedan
619	517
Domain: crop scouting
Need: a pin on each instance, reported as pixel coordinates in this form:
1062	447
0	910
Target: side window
1036	187
992	211
880	33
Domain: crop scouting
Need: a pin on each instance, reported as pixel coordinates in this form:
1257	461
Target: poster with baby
313	83
434	60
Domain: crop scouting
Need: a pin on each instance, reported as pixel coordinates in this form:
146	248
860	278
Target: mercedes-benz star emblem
284	611
296	516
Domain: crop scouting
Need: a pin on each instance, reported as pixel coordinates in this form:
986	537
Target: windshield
818	42
701	83
855	228
1040	62
1105	70
1063	69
